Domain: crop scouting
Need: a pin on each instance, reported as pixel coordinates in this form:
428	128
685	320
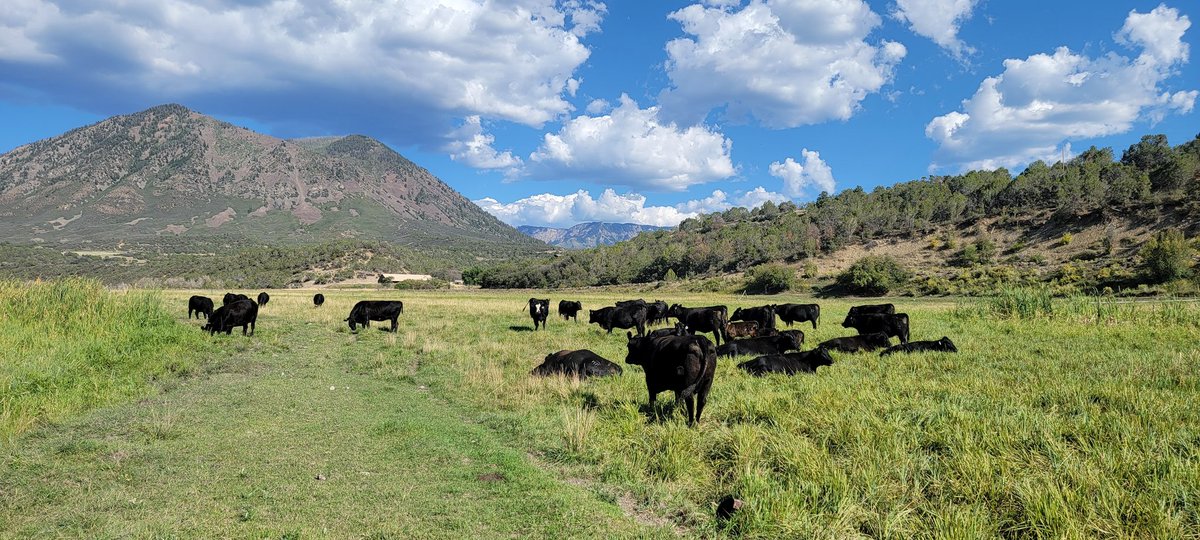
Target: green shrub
769	279
421	284
873	276
1166	257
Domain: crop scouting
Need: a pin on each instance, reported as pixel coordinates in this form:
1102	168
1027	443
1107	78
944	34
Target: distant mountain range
169	176
587	235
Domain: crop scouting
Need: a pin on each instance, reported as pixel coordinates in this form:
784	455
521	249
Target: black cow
366	311
230	297
582	363
629	316
539	310
569	309
788	363
797	336
200	305
683	364
318	299
850	344
794	313
941	345
634	302
886	309
869	323
705	319
263	298
243	313
759	345
763	315
679	329
656	312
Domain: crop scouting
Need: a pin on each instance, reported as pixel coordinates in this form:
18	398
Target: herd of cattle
680	360
239	310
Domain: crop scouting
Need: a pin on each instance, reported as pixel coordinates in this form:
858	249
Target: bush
769	279
1166	257
873	276
421	284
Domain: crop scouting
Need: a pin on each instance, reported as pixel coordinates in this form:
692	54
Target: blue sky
557	112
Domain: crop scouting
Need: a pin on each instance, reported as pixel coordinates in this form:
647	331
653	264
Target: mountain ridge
587	235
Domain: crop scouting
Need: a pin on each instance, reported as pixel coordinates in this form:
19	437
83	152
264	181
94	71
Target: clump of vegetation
873	276
981	251
769	279
1166	257
421	284
1066	239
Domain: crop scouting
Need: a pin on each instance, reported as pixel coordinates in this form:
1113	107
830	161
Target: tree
1167	256
769	279
873	276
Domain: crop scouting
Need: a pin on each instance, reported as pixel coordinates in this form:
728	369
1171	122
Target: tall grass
70	345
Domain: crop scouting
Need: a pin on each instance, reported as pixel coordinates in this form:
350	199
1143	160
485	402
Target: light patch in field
221	218
61	222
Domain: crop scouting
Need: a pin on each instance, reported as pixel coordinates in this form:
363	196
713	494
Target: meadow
1061	418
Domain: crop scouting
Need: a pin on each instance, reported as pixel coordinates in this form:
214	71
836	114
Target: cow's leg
691	408
395	324
641	328
814	321
252	323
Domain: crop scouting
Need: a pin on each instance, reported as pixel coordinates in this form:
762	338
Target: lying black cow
788	363
318	299
366	311
794	313
705	319
763	315
894	325
582	363
850	344
797	336
776	344
683	364
679	329
569	309
941	345
200	305
656	312
230	297
624	317
539	310
886	309
263	298
243	313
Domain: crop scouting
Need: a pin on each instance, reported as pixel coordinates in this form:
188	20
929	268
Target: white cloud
785	64
548	209
631	147
598	107
470	145
1038	103
799	177
938	20
759	195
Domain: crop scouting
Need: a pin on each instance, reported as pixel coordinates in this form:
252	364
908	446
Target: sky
557	112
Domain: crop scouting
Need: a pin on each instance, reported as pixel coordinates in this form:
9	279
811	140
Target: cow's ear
630	335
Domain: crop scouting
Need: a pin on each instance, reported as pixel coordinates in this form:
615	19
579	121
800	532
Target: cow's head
640	350
822	357
947	345
675	311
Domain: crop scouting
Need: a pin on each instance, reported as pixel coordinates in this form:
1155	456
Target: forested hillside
955	233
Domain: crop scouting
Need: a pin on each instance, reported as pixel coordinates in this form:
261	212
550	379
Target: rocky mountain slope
587	235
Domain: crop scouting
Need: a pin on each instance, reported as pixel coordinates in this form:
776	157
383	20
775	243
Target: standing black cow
539	310
231	297
706	319
852	344
941	345
776	344
318	299
679	329
569	309
886	309
788	363
794	313
582	363
683	364
656	312
243	313
763	315
200	305
628	316
869	323
263	298
366	311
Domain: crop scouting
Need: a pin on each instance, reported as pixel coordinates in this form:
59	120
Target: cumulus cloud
938	20
470	145
1034	106
412	65
799	177
548	209
784	64
631	147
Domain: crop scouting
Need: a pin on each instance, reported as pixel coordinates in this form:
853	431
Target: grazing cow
263	298
656	313
366	311
569	309
624	317
734	330
869	323
865	342
683	364
679	329
200	305
243	313
760	345
318	299
230	297
634	302
763	315
941	345
788	363
539	310
794	313
582	363
705	319
886	309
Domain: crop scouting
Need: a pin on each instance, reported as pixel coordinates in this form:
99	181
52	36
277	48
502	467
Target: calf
539	310
679	329
941	345
788	363
886	309
794	313
705	319
243	313
869	323
865	342
734	330
582	363
263	298
763	315
200	305
569	309
318	299
366	311
230	297
760	345
683	364
628	316
656	312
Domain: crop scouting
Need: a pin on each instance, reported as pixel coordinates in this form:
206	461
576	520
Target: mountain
172	177
587	235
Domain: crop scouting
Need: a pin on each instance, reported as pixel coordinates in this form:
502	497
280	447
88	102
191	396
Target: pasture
1076	422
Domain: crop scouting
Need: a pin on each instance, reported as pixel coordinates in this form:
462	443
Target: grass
1077	422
